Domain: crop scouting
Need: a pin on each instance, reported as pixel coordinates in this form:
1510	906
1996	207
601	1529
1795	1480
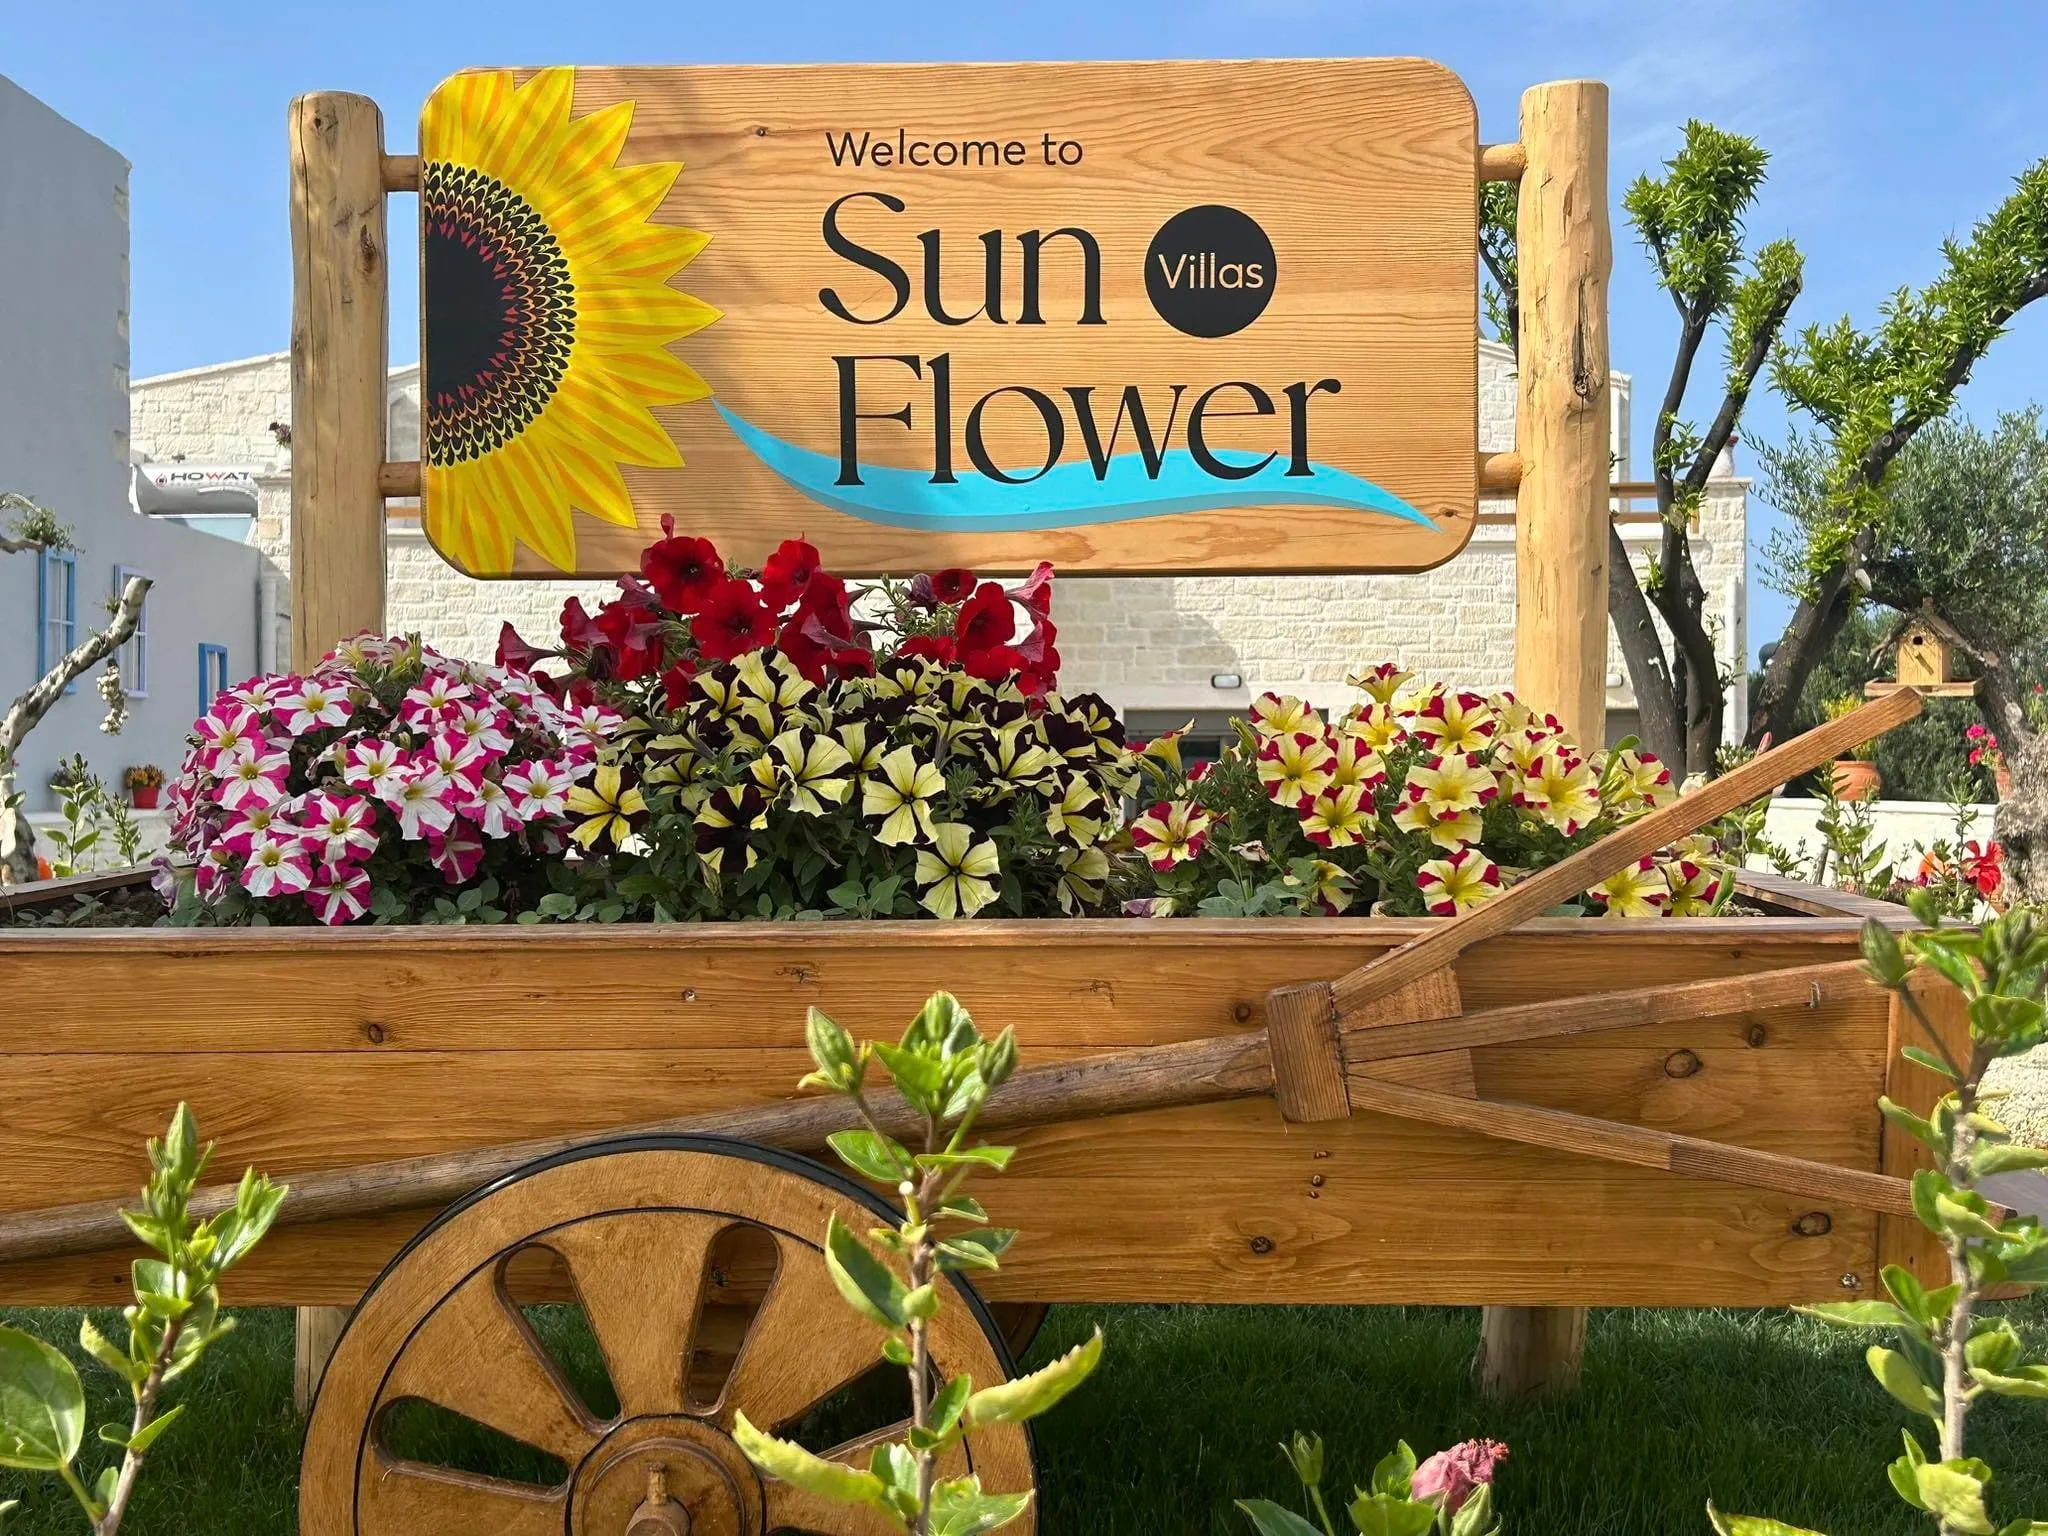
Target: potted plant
145	783
1855	776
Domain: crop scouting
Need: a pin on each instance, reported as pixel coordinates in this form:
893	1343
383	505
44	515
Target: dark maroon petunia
952	586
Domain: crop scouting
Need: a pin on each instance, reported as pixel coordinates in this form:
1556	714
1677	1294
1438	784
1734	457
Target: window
134	655
213	673
57	608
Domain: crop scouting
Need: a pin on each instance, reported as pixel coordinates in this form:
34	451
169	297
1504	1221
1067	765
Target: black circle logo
1210	270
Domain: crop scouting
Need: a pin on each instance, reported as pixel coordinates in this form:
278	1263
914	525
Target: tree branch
1649	673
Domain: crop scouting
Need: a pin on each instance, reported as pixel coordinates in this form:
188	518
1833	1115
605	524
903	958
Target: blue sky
1892	125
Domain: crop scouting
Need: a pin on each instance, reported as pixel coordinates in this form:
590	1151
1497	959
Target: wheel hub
665	1476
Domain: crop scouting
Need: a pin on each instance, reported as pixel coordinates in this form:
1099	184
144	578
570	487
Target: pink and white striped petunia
372	765
484	729
313	704
214	872
457	852
592	723
339	828
461	759
261	693
341	894
494	811
540	789
276	866
228	730
437	698
420	798
247	781
1463	878
256	822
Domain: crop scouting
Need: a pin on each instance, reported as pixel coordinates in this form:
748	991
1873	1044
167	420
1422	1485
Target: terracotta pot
145	796
1856	780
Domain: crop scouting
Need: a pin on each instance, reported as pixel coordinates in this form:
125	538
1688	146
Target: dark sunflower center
501	312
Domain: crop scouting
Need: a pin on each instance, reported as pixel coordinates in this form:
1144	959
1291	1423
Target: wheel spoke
640	1277
403	1498
803	1345
475	1355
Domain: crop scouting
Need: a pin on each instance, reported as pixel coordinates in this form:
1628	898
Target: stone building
1162	649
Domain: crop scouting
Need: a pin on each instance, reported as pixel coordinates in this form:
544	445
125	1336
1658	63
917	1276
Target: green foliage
944	1069
31	525
1450	1495
1947	1355
174	1319
1872	390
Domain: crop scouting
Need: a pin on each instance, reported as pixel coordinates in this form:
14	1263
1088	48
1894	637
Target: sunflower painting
548	317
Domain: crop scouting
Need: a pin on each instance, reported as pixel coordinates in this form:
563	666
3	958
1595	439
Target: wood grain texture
1307	1056
340	325
1777	893
494	1036
1904	1240
1362	172
314	1332
1562	426
1570	876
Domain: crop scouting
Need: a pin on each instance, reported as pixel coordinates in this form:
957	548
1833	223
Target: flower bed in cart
788	753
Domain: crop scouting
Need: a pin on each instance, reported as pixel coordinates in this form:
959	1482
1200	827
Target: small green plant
1451	1494
1947	1357
945	1071
173	1320
80	798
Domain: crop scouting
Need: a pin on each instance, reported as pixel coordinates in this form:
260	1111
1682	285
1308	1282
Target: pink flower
457	853
214	872
263	819
254	780
261	693
592	722
341	894
228	730
455	755
436	699
419	797
1458	1472
484	729
493	809
540	789
313	704
276	867
372	765
338	827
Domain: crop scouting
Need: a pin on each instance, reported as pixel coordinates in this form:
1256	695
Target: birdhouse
1924	653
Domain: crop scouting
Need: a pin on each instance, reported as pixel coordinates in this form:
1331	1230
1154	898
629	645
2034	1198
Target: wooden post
1563	435
340	361
340	357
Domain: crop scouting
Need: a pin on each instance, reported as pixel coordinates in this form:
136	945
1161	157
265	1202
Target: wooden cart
1503	1109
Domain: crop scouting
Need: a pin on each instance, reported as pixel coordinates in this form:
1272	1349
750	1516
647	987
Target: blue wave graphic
1066	496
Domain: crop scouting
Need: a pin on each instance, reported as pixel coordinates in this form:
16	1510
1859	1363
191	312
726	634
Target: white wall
64	442
1905	827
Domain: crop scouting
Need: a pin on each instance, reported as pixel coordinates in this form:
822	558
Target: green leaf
942	1026
1858	1314
153	1430
1896	1375
104	1485
108	1353
1926	1185
1911	1124
796	1466
872	1156
946	1409
1378	1514
869	1285
2005	1157
997	1158
1475	1515
42	1404
1304	1453
1395	1474
922	1304
1012	1402
1932	1062
976	1250
920	1079
1954	1490
896	1470
960	1508
1271	1519
1994	1345
1961	1219
2021	1381
963	1208
1752	1525
831	1047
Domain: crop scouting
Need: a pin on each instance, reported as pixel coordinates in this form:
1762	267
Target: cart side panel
306	1051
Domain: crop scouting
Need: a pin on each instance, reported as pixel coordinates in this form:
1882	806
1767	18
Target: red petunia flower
993	664
579	630
936	647
683	571
514	654
675	684
732	621
1035	593
953	585
788	573
828	603
986	619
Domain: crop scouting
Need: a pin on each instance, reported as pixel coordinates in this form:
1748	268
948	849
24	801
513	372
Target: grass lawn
1765	1411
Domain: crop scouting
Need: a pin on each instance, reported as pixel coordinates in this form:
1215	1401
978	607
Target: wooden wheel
642	1233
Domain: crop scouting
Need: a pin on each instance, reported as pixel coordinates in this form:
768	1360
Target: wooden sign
1170	317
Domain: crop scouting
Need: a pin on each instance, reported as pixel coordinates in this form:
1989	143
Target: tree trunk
1812	629
2023	822
1649	673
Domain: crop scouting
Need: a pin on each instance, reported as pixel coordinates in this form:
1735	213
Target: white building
1161	649
64	443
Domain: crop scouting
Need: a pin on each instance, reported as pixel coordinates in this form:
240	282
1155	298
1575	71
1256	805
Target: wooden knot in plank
1308	1055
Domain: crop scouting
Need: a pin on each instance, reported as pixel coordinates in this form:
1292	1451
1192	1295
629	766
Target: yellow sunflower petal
629	316
621	427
